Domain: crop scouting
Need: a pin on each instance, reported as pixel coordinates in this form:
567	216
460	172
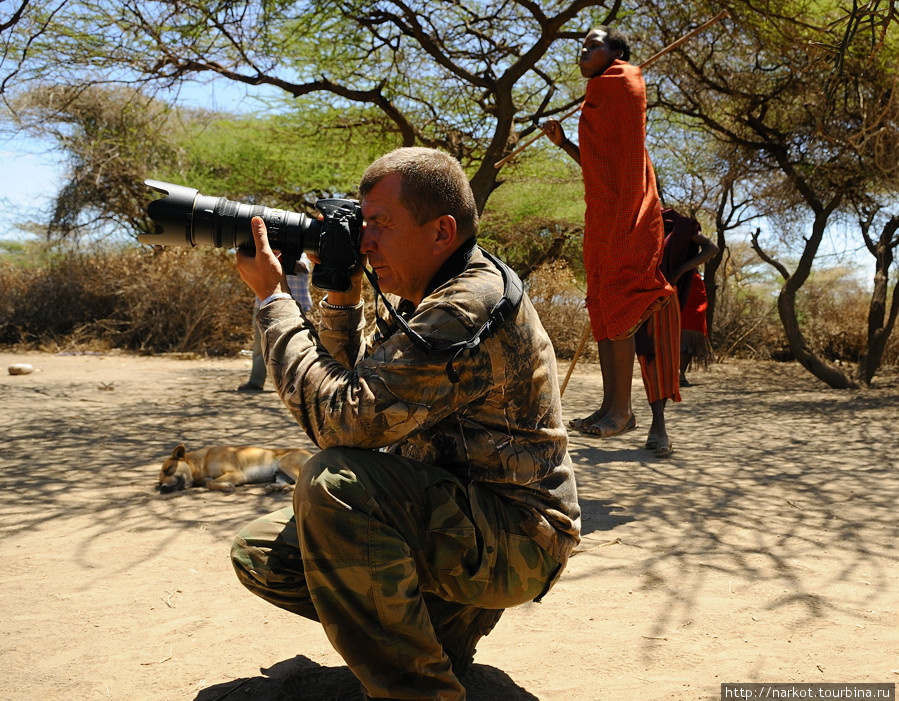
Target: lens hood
172	214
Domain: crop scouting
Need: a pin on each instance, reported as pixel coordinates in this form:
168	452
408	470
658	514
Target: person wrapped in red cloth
685	250
623	233
658	339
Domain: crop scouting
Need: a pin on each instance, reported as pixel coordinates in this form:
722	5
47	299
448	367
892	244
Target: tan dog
223	468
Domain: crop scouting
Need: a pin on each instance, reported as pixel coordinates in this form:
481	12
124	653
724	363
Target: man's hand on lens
261	271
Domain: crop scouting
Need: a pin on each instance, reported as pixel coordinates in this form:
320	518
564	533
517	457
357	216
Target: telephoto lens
187	218
184	217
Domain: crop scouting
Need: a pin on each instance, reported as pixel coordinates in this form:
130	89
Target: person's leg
686	356
615	416
659	368
605	370
258	370
382	537
267	559
658	440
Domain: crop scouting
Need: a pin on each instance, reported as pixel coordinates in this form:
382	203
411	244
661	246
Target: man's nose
368	242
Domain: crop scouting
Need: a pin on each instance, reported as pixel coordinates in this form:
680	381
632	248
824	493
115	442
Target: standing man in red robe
623	233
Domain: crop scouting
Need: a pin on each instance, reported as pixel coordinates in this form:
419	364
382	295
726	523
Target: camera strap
505	309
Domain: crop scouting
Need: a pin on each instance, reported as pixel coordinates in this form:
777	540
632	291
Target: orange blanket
623	234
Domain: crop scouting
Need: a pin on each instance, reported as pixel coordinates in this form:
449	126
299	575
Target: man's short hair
434	184
617	41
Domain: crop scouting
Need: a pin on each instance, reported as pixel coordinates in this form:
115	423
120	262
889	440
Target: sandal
576	424
663	450
606	428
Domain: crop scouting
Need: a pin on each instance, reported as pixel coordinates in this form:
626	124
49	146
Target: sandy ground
763	550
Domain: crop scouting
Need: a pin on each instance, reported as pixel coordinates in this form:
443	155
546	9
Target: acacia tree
24	26
704	179
111	138
18	9
8	59
468	77
759	90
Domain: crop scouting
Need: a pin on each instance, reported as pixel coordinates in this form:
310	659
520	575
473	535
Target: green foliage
16	248
539	201
281	160
463	76
794	105
110	137
114	139
517	201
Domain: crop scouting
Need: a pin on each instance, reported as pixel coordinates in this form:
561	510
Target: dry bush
746	325
174	300
559	300
185	301
192	301
891	353
832	310
834	315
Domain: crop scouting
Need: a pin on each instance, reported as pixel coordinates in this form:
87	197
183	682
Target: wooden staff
577	354
652	59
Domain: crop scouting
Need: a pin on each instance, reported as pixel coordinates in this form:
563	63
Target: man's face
399	250
596	55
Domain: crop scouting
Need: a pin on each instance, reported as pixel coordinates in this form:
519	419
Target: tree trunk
880	326
484	181
786	301
710	278
786	307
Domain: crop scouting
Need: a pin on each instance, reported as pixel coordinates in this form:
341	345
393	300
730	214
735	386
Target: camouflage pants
398	560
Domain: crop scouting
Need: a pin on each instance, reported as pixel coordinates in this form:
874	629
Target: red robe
623	233
693	313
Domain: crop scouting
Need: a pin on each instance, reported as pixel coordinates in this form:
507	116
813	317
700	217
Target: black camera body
184	217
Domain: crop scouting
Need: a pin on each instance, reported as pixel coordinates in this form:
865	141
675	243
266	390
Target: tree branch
776	264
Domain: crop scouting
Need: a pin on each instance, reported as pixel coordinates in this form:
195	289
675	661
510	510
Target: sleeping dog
223	468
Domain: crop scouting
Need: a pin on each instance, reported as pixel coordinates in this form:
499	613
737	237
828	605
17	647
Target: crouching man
443	492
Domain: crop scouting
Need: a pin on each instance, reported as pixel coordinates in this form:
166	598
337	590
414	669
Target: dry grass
559	300
175	300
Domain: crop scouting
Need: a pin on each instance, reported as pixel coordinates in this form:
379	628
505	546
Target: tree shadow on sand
601	515
301	678
768	474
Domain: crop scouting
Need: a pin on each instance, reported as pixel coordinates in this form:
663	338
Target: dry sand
765	549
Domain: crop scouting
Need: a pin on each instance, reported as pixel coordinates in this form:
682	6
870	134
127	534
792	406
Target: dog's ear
178	452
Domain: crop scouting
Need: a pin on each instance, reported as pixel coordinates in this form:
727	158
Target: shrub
172	300
559	300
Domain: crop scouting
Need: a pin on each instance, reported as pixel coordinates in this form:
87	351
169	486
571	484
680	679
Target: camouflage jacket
499	425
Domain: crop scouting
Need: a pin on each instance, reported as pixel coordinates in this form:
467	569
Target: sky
29	177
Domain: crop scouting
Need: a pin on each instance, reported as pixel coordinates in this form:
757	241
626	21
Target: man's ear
446	234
